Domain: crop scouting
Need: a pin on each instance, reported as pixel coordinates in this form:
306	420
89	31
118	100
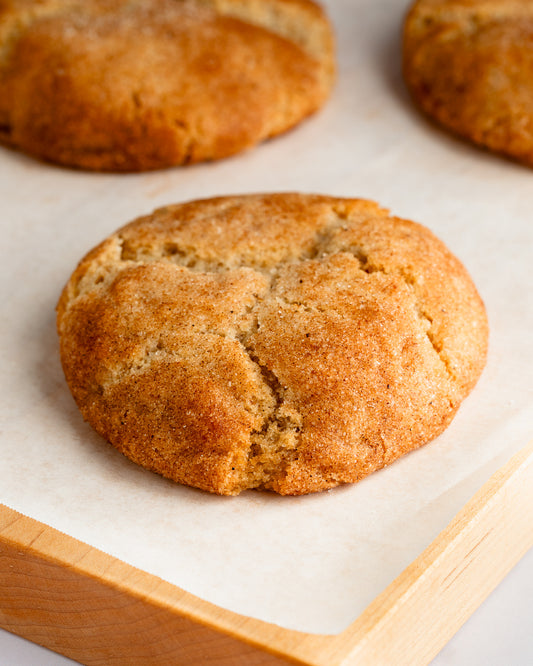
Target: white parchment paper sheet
310	563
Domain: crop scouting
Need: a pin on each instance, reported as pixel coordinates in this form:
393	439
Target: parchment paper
310	563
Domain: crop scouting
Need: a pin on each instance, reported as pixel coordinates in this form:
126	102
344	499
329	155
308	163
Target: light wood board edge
85	604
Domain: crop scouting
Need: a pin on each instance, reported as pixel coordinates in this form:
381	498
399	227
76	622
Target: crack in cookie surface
274	444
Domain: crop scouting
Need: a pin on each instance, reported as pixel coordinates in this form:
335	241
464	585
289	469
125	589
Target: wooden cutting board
94	608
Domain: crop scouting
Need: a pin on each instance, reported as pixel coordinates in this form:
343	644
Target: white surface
500	633
310	563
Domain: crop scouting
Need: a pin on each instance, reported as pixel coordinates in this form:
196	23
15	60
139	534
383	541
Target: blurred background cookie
132	85
469	65
288	342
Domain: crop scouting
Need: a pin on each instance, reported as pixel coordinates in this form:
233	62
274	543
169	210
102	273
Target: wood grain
91	607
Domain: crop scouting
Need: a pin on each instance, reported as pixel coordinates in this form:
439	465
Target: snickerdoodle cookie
132	85
285	341
469	65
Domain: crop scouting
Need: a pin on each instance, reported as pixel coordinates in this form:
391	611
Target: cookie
469	65
133	85
282	341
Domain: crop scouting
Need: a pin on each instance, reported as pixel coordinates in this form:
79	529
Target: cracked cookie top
469	65
282	341
132	85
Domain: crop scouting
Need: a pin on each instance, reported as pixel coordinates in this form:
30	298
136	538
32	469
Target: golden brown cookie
284	341
469	65
132	85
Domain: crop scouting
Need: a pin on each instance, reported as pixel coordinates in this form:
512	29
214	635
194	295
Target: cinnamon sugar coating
133	85
469	65
285	341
